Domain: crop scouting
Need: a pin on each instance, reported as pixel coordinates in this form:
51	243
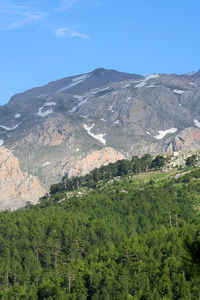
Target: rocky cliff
186	139
93	160
16	187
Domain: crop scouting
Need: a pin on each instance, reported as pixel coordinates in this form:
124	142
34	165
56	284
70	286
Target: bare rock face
94	160
16	188
52	133
187	139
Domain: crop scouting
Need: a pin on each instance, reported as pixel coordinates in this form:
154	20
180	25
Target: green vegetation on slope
112	238
119	168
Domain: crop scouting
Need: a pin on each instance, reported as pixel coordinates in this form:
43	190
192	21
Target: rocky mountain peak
99	72
55	129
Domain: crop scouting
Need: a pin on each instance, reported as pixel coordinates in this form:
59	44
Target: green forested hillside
105	238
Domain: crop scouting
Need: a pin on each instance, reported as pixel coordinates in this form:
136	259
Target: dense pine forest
124	231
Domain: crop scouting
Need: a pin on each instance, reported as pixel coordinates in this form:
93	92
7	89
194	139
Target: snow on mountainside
53	127
75	81
77	84
190	73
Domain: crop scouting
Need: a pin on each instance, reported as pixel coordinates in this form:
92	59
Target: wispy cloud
65	4
99	3
13	15
28	19
68	33
17	16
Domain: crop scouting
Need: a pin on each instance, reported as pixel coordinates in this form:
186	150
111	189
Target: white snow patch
77	149
75	81
95	90
85	117
82	77
193	84
143	81
117	122
196	123
17	116
148	132
80	103
141	84
46	163
42	95
179	92
163	133
73	109
44	114
152	76
47	112
80	98
111	108
99	137
123	87
129	98
1	143
103	120
100	90
49	98
8	128
49	104
190	73
114	93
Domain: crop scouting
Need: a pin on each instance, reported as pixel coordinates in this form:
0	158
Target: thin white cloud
17	16
68	33
13	15
28	19
65	4
12	9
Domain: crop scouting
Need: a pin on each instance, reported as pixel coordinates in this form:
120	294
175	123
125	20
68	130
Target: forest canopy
117	233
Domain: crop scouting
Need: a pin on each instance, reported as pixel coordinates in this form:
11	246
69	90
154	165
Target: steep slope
16	187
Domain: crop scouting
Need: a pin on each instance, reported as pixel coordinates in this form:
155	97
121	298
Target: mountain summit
77	84
69	125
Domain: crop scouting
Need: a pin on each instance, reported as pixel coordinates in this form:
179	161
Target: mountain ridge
55	86
51	129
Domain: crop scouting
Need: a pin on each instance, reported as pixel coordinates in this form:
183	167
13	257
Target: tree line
120	168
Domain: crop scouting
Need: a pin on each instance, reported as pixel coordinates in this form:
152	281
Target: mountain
53	130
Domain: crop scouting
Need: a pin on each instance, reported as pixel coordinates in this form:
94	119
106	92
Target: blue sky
46	40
